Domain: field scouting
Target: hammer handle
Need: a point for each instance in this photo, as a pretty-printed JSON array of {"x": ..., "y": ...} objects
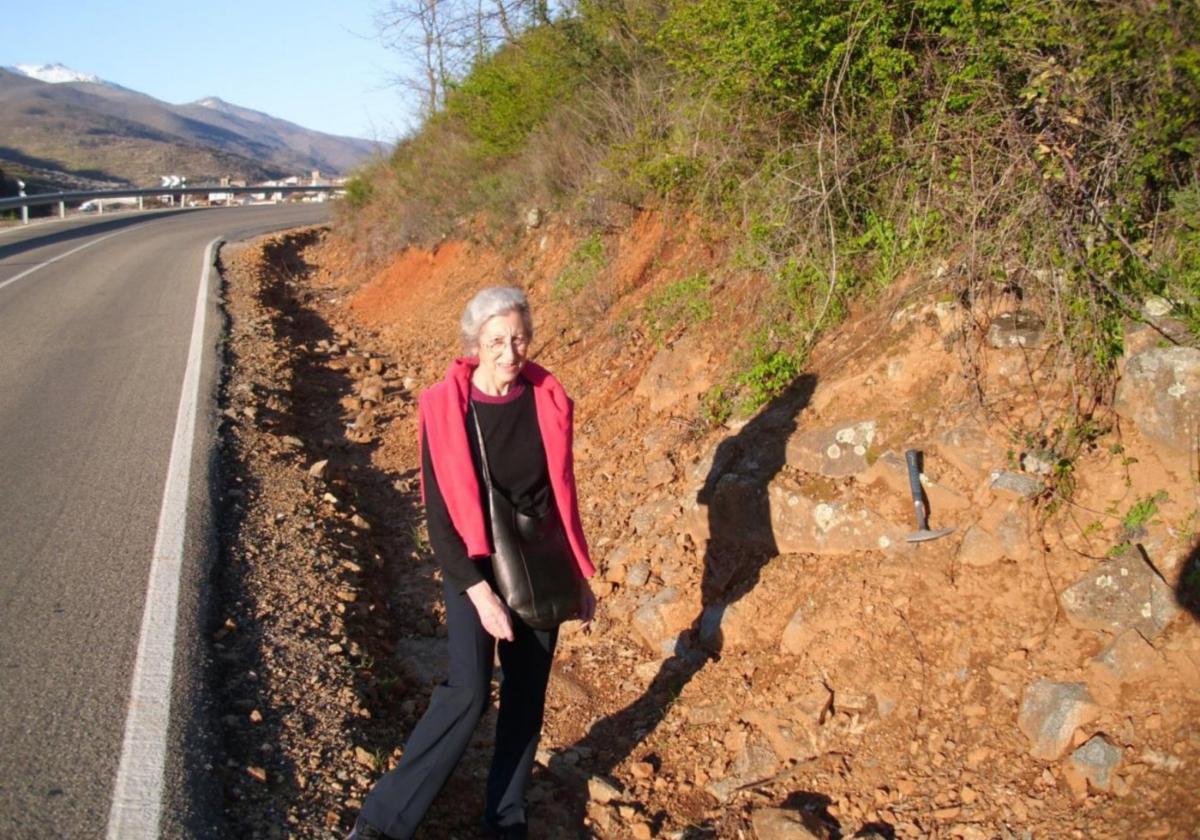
[{"x": 912, "y": 457}]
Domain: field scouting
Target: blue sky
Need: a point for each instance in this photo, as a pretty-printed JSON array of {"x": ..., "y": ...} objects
[{"x": 313, "y": 62}]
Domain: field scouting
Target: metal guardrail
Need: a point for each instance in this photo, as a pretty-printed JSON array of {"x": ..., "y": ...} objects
[{"x": 61, "y": 198}]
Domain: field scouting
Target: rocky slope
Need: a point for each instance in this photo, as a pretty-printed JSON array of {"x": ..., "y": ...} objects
[{"x": 771, "y": 658}]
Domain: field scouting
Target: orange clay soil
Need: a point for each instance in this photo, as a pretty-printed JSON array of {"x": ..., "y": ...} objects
[{"x": 897, "y": 706}]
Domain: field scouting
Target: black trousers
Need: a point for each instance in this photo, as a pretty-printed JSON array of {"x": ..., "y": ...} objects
[{"x": 400, "y": 799}]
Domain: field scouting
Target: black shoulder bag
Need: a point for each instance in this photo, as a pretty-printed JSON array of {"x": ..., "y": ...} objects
[{"x": 531, "y": 559}]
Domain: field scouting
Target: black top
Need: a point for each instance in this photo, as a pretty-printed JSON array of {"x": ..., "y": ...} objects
[{"x": 518, "y": 464}]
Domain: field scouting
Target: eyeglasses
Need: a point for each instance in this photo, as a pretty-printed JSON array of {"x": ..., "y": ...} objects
[{"x": 497, "y": 344}]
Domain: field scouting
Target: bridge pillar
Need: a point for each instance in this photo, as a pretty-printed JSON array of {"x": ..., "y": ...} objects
[
  {"x": 100, "y": 207},
  {"x": 141, "y": 204},
  {"x": 62, "y": 209}
]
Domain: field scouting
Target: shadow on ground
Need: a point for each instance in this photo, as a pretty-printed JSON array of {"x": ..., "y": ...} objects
[{"x": 751, "y": 458}]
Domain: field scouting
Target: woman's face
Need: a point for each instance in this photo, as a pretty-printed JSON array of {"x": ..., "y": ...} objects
[{"x": 502, "y": 347}]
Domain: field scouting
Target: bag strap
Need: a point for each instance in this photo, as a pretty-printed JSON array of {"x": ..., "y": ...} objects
[{"x": 487, "y": 470}]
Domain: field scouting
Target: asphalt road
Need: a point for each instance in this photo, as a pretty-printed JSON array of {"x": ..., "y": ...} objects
[{"x": 93, "y": 349}]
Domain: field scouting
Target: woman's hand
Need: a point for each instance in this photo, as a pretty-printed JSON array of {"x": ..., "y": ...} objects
[
  {"x": 493, "y": 613},
  {"x": 587, "y": 604}
]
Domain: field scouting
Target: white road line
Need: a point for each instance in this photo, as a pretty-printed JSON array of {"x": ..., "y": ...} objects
[
  {"x": 29, "y": 271},
  {"x": 137, "y": 797}
]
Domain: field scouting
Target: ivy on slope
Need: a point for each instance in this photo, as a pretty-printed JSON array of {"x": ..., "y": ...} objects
[{"x": 1050, "y": 145}]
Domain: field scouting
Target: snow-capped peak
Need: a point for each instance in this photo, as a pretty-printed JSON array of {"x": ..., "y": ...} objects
[{"x": 56, "y": 74}]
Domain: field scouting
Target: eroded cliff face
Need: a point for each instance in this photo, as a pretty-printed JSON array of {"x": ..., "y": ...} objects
[{"x": 768, "y": 638}]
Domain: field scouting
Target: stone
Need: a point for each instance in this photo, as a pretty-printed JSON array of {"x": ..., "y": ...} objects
[
  {"x": 676, "y": 376},
  {"x": 257, "y": 773},
  {"x": 649, "y": 517},
  {"x": 1050, "y": 714},
  {"x": 638, "y": 574},
  {"x": 1038, "y": 463},
  {"x": 1159, "y": 393},
  {"x": 602, "y": 791},
  {"x": 835, "y": 451},
  {"x": 1156, "y": 307},
  {"x": 364, "y": 758},
  {"x": 320, "y": 469},
  {"x": 616, "y": 562},
  {"x": 1142, "y": 337},
  {"x": 1128, "y": 659},
  {"x": 641, "y": 770},
  {"x": 833, "y": 528},
  {"x": 788, "y": 742},
  {"x": 661, "y": 618},
  {"x": 1022, "y": 486},
  {"x": 729, "y": 627},
  {"x": 785, "y": 824},
  {"x": 1120, "y": 594},
  {"x": 754, "y": 762},
  {"x": 979, "y": 548},
  {"x": 1016, "y": 329},
  {"x": 1096, "y": 762}
]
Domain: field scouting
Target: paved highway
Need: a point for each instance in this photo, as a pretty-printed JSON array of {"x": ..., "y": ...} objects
[{"x": 96, "y": 332}]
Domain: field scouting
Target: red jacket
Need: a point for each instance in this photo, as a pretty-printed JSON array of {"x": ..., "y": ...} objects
[{"x": 443, "y": 423}]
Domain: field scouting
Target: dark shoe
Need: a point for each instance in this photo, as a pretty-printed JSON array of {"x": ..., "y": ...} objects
[
  {"x": 515, "y": 831},
  {"x": 365, "y": 831}
]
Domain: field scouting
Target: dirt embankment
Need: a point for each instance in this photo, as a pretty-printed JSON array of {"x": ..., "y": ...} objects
[{"x": 768, "y": 651}]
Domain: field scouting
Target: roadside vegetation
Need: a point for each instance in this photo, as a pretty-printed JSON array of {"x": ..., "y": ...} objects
[{"x": 1042, "y": 149}]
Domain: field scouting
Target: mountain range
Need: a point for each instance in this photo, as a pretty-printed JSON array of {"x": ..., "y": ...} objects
[{"x": 64, "y": 129}]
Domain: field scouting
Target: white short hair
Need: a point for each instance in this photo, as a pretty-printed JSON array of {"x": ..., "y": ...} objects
[{"x": 487, "y": 304}]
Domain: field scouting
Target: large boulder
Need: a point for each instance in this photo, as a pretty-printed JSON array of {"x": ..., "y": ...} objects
[
  {"x": 779, "y": 518},
  {"x": 835, "y": 451},
  {"x": 1121, "y": 594},
  {"x": 1160, "y": 394},
  {"x": 833, "y": 527}
]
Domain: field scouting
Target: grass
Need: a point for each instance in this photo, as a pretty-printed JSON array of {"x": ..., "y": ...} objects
[
  {"x": 1141, "y": 512},
  {"x": 680, "y": 304},
  {"x": 582, "y": 269}
]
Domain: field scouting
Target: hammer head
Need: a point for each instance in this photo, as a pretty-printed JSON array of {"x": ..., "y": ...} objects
[{"x": 926, "y": 535}]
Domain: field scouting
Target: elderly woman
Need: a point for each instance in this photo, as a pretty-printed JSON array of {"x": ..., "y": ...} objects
[{"x": 525, "y": 419}]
